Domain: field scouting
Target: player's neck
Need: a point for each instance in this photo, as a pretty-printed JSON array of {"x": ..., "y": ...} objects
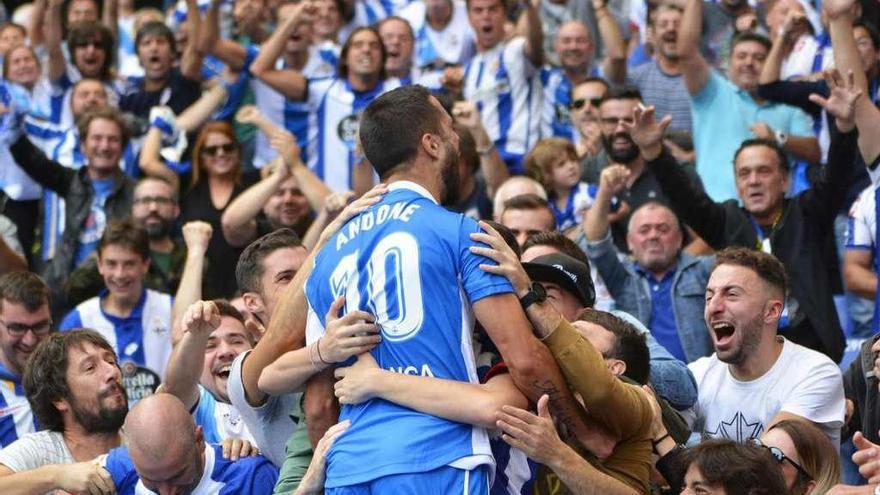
[
  {"x": 421, "y": 176},
  {"x": 364, "y": 82},
  {"x": 120, "y": 306},
  {"x": 85, "y": 446},
  {"x": 762, "y": 358},
  {"x": 668, "y": 66},
  {"x": 7, "y": 363},
  {"x": 439, "y": 23}
]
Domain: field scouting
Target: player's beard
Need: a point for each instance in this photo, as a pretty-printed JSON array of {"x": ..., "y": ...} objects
[
  {"x": 620, "y": 156},
  {"x": 449, "y": 174},
  {"x": 106, "y": 420}
]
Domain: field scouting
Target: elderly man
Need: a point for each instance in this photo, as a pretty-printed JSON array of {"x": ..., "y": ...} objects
[{"x": 660, "y": 284}]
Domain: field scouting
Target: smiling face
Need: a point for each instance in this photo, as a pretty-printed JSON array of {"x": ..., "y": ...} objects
[
  {"x": 288, "y": 206},
  {"x": 573, "y": 46},
  {"x": 364, "y": 57},
  {"x": 22, "y": 66},
  {"x": 102, "y": 146},
  {"x": 761, "y": 182},
  {"x": 225, "y": 343},
  {"x": 219, "y": 155},
  {"x": 487, "y": 18},
  {"x": 123, "y": 270},
  {"x": 654, "y": 237},
  {"x": 738, "y": 311},
  {"x": 746, "y": 61},
  {"x": 16, "y": 347}
]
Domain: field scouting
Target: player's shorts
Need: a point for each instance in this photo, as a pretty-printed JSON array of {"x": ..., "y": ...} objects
[{"x": 445, "y": 480}]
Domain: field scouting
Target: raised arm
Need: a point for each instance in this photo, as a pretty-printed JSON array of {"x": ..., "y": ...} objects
[
  {"x": 110, "y": 17},
  {"x": 52, "y": 34},
  {"x": 285, "y": 144},
  {"x": 534, "y": 47},
  {"x": 693, "y": 66},
  {"x": 494, "y": 170},
  {"x": 783, "y": 41},
  {"x": 191, "y": 60},
  {"x": 614, "y": 65},
  {"x": 200, "y": 112},
  {"x": 35, "y": 25},
  {"x": 229, "y": 51},
  {"x": 38, "y": 166},
  {"x": 196, "y": 235},
  {"x": 846, "y": 59},
  {"x": 188, "y": 357},
  {"x": 612, "y": 180},
  {"x": 150, "y": 160},
  {"x": 289, "y": 82}
]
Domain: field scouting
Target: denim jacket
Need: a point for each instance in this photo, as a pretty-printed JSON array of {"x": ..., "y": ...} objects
[{"x": 631, "y": 292}]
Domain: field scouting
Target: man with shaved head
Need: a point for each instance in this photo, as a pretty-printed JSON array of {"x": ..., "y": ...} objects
[{"x": 166, "y": 454}]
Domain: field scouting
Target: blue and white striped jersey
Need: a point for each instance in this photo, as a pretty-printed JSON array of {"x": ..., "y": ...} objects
[
  {"x": 452, "y": 45},
  {"x": 219, "y": 476},
  {"x": 407, "y": 261},
  {"x": 335, "y": 112},
  {"x": 862, "y": 230},
  {"x": 292, "y": 115},
  {"x": 555, "y": 113},
  {"x": 507, "y": 89},
  {"x": 16, "y": 418},
  {"x": 219, "y": 420},
  {"x": 142, "y": 339}
]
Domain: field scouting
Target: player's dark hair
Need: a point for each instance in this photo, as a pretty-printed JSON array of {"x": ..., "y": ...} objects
[
  {"x": 621, "y": 93},
  {"x": 769, "y": 143},
  {"x": 630, "y": 345},
  {"x": 45, "y": 375},
  {"x": 123, "y": 232},
  {"x": 558, "y": 241},
  {"x": 766, "y": 266},
  {"x": 249, "y": 270},
  {"x": 392, "y": 127},
  {"x": 745, "y": 36},
  {"x": 342, "y": 65}
]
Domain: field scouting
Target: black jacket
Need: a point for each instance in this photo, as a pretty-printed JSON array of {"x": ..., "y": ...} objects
[
  {"x": 860, "y": 386},
  {"x": 800, "y": 240},
  {"x": 75, "y": 188}
]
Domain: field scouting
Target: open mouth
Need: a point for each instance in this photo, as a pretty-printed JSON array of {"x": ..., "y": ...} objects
[
  {"x": 723, "y": 332},
  {"x": 223, "y": 372}
]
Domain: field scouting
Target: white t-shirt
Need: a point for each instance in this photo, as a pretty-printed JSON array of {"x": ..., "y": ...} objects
[
  {"x": 802, "y": 382},
  {"x": 271, "y": 423},
  {"x": 35, "y": 450}
]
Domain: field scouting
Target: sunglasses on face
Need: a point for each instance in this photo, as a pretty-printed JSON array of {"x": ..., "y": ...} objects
[
  {"x": 780, "y": 457},
  {"x": 214, "y": 150},
  {"x": 580, "y": 102}
]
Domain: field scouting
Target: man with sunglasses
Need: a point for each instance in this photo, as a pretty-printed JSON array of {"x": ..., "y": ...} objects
[
  {"x": 25, "y": 321},
  {"x": 584, "y": 115}
]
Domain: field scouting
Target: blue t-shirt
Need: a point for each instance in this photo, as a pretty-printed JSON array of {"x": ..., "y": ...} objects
[
  {"x": 405, "y": 260},
  {"x": 93, "y": 228},
  {"x": 219, "y": 476}
]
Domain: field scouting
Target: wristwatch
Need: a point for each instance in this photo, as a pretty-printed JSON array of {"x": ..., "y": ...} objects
[
  {"x": 781, "y": 138},
  {"x": 535, "y": 294}
]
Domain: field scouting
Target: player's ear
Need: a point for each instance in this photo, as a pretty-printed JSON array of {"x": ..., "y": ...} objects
[{"x": 431, "y": 145}]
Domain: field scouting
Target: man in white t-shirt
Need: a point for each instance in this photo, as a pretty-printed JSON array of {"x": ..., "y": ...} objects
[
  {"x": 74, "y": 384},
  {"x": 756, "y": 378}
]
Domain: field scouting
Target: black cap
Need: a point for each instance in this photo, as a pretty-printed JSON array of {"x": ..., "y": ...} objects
[{"x": 566, "y": 272}]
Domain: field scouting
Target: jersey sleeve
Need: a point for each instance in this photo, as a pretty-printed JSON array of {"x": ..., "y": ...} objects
[
  {"x": 515, "y": 58},
  {"x": 257, "y": 475},
  {"x": 477, "y": 283},
  {"x": 72, "y": 320},
  {"x": 121, "y": 469}
]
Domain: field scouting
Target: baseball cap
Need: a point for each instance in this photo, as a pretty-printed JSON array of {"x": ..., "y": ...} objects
[{"x": 566, "y": 272}]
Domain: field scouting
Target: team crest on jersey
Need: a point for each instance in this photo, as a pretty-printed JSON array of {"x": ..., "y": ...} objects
[
  {"x": 158, "y": 326},
  {"x": 347, "y": 130}
]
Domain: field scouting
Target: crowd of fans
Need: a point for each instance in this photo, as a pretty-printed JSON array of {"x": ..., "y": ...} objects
[{"x": 440, "y": 246}]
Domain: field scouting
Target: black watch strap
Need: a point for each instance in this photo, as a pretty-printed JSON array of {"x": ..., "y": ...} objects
[{"x": 535, "y": 294}]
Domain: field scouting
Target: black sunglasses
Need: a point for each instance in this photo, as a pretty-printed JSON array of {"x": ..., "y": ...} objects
[
  {"x": 580, "y": 102},
  {"x": 95, "y": 43},
  {"x": 780, "y": 456},
  {"x": 213, "y": 150}
]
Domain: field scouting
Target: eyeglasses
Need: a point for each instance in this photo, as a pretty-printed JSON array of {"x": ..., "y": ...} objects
[
  {"x": 19, "y": 329},
  {"x": 780, "y": 457},
  {"x": 580, "y": 102},
  {"x": 213, "y": 150}
]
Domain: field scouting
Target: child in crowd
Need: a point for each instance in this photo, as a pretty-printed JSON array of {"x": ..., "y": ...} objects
[{"x": 553, "y": 162}]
